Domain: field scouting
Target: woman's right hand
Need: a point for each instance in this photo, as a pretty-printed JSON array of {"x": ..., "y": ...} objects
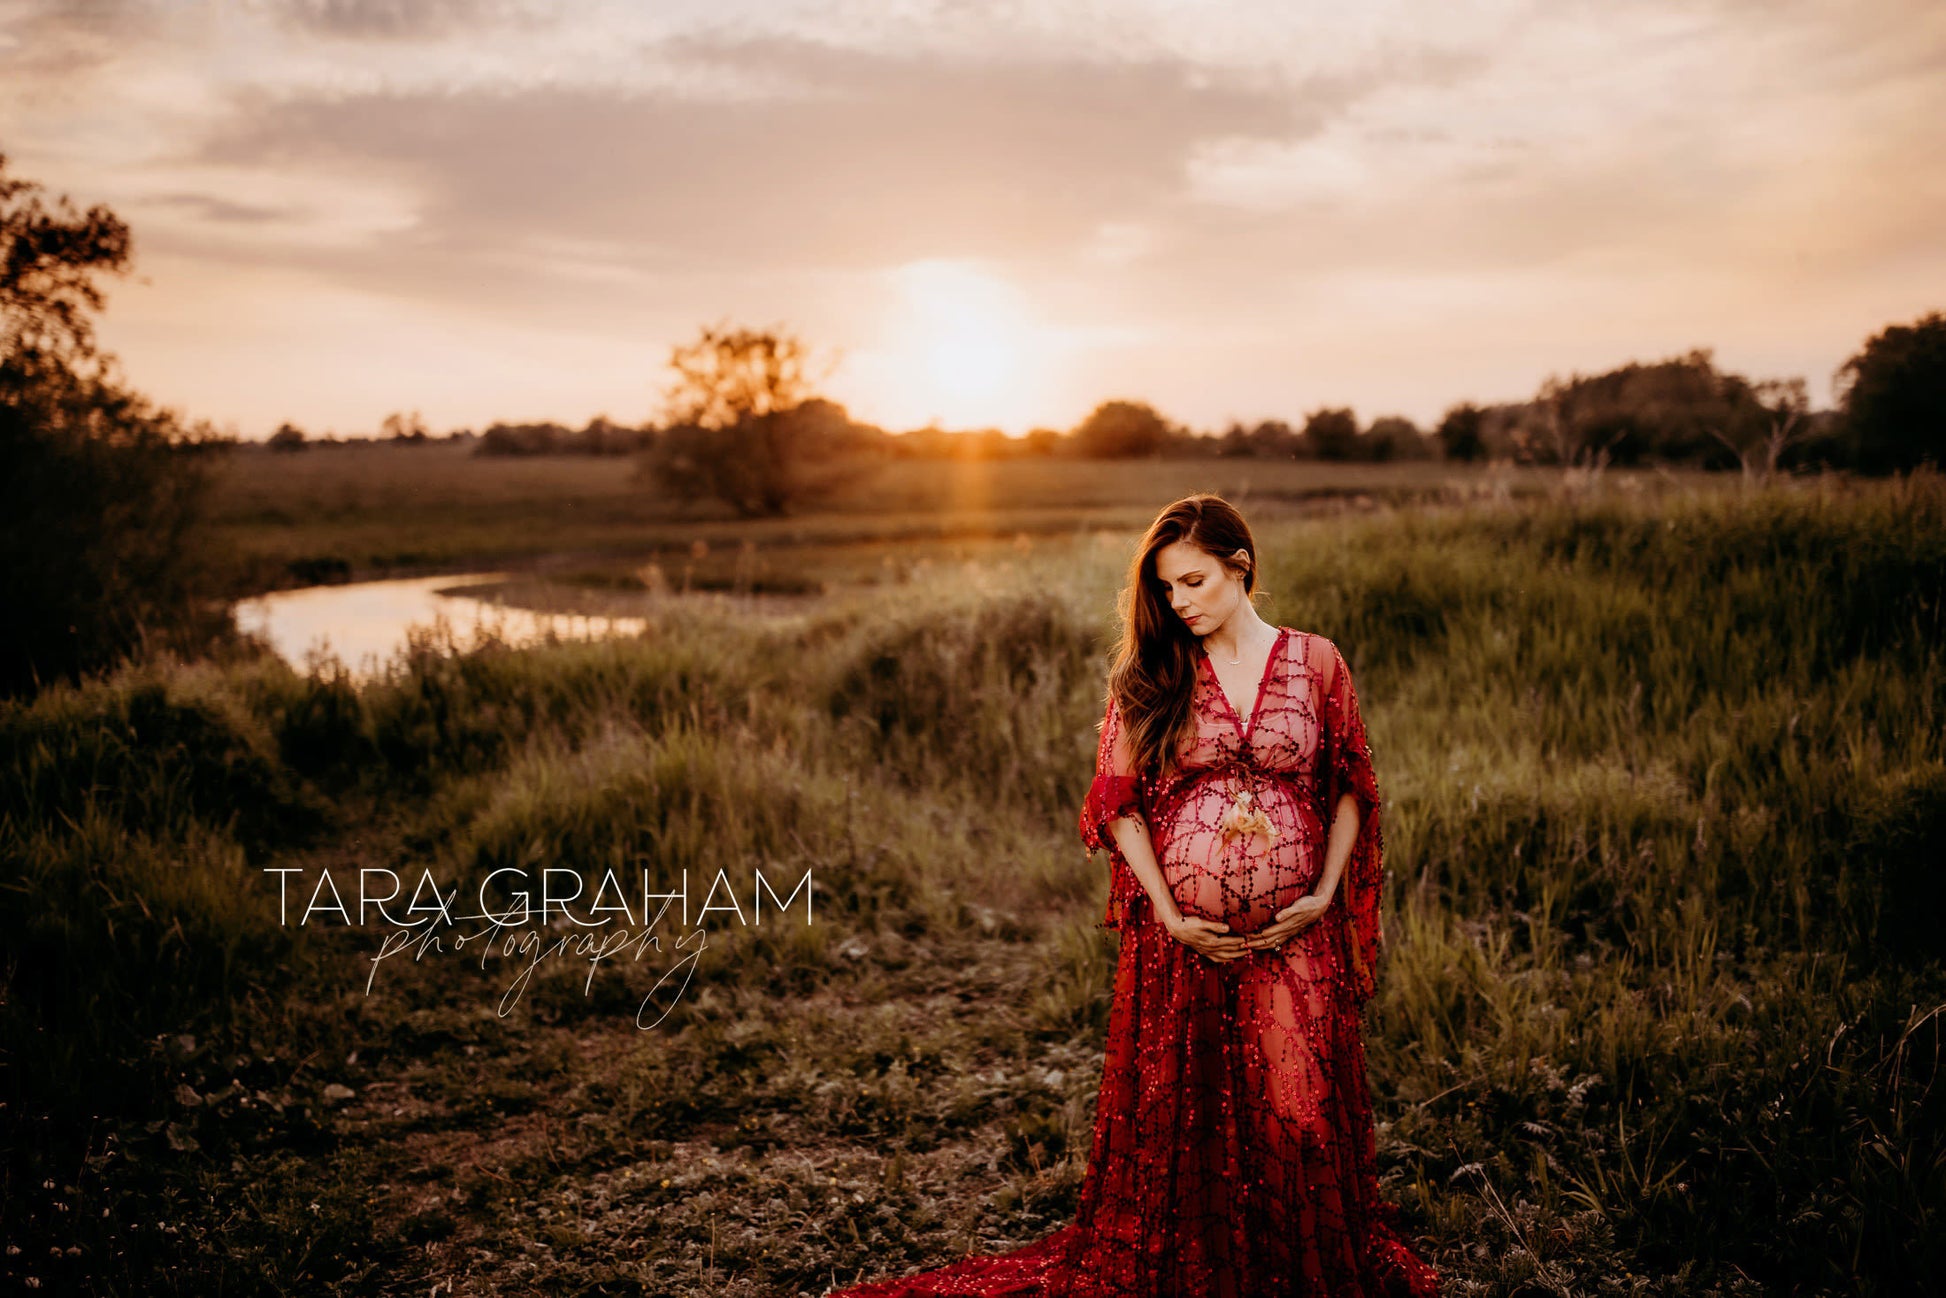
[{"x": 1207, "y": 937}]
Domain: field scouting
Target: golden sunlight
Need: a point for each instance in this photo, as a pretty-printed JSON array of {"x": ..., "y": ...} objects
[{"x": 958, "y": 351}]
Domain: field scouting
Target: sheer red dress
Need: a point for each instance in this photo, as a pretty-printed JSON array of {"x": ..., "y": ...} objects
[{"x": 1233, "y": 1150}]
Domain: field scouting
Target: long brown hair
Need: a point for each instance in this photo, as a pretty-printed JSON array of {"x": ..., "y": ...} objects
[{"x": 1155, "y": 662}]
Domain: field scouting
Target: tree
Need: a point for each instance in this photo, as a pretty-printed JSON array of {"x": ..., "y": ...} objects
[
  {"x": 101, "y": 493},
  {"x": 398, "y": 427},
  {"x": 1121, "y": 430},
  {"x": 1394, "y": 437},
  {"x": 47, "y": 273},
  {"x": 742, "y": 425},
  {"x": 1759, "y": 446},
  {"x": 1551, "y": 433},
  {"x": 546, "y": 438},
  {"x": 1678, "y": 410},
  {"x": 1275, "y": 439},
  {"x": 603, "y": 436},
  {"x": 728, "y": 375},
  {"x": 288, "y": 437},
  {"x": 1892, "y": 397},
  {"x": 1332, "y": 434},
  {"x": 1461, "y": 435}
]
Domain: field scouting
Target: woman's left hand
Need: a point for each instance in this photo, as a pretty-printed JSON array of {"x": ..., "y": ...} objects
[{"x": 1290, "y": 921}]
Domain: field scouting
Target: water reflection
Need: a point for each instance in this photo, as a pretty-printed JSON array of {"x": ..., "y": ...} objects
[{"x": 364, "y": 624}]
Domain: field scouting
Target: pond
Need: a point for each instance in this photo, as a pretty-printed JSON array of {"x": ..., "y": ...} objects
[{"x": 364, "y": 624}]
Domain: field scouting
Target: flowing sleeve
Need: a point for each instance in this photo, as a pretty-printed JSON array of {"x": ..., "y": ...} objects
[
  {"x": 1348, "y": 769},
  {"x": 1116, "y": 791}
]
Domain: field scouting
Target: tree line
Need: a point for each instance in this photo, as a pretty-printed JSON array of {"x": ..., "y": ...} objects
[
  {"x": 1678, "y": 411},
  {"x": 1681, "y": 411},
  {"x": 746, "y": 428}
]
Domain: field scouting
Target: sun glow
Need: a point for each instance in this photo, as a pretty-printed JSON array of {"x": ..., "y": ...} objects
[
  {"x": 969, "y": 365},
  {"x": 958, "y": 351}
]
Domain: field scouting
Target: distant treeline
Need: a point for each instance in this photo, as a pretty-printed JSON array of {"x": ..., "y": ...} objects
[{"x": 1679, "y": 411}]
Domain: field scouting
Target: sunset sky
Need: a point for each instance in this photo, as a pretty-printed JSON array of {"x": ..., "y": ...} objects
[{"x": 984, "y": 213}]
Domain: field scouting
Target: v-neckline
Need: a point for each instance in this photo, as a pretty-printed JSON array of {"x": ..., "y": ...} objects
[{"x": 1244, "y": 727}]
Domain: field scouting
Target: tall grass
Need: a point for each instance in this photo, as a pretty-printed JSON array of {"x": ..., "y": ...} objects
[{"x": 1661, "y": 1006}]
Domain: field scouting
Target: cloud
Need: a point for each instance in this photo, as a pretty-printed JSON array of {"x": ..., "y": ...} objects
[
  {"x": 847, "y": 160},
  {"x": 393, "y": 20},
  {"x": 44, "y": 47},
  {"x": 209, "y": 208}
]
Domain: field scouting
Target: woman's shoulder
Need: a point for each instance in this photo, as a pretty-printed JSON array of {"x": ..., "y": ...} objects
[
  {"x": 1308, "y": 646},
  {"x": 1311, "y": 650}
]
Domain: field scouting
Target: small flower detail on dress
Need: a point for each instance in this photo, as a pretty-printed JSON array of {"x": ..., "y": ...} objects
[{"x": 1243, "y": 816}]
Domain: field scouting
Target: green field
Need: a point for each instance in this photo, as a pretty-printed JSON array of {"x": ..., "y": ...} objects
[
  {"x": 1661, "y": 1013},
  {"x": 407, "y": 509}
]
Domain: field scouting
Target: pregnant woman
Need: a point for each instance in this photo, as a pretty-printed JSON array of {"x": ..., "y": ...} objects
[{"x": 1233, "y": 1150}]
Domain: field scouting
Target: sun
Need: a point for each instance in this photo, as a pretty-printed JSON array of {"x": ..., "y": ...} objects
[
  {"x": 970, "y": 366},
  {"x": 959, "y": 350}
]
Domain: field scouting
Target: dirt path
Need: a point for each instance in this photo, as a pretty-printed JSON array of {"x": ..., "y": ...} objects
[{"x": 730, "y": 1150}]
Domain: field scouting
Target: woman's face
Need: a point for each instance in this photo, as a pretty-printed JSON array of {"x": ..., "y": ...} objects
[{"x": 1197, "y": 586}]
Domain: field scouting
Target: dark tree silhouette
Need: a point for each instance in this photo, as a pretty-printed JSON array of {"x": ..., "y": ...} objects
[
  {"x": 731, "y": 374},
  {"x": 743, "y": 426},
  {"x": 1461, "y": 435},
  {"x": 101, "y": 493},
  {"x": 288, "y": 437},
  {"x": 603, "y": 436},
  {"x": 1394, "y": 437},
  {"x": 1759, "y": 445},
  {"x": 1121, "y": 429},
  {"x": 1275, "y": 439},
  {"x": 49, "y": 261},
  {"x": 1892, "y": 397},
  {"x": 1682, "y": 409},
  {"x": 1332, "y": 434},
  {"x": 400, "y": 427},
  {"x": 523, "y": 439}
]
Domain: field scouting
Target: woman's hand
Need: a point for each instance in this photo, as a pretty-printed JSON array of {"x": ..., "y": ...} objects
[
  {"x": 1289, "y": 922},
  {"x": 1208, "y": 937}
]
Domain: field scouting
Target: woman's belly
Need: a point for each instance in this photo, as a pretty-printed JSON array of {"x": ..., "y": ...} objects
[{"x": 1245, "y": 880}]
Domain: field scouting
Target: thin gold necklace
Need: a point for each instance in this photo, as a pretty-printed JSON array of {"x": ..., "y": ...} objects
[{"x": 1236, "y": 661}]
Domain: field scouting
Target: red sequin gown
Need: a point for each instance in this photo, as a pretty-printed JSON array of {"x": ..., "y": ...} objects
[{"x": 1233, "y": 1149}]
